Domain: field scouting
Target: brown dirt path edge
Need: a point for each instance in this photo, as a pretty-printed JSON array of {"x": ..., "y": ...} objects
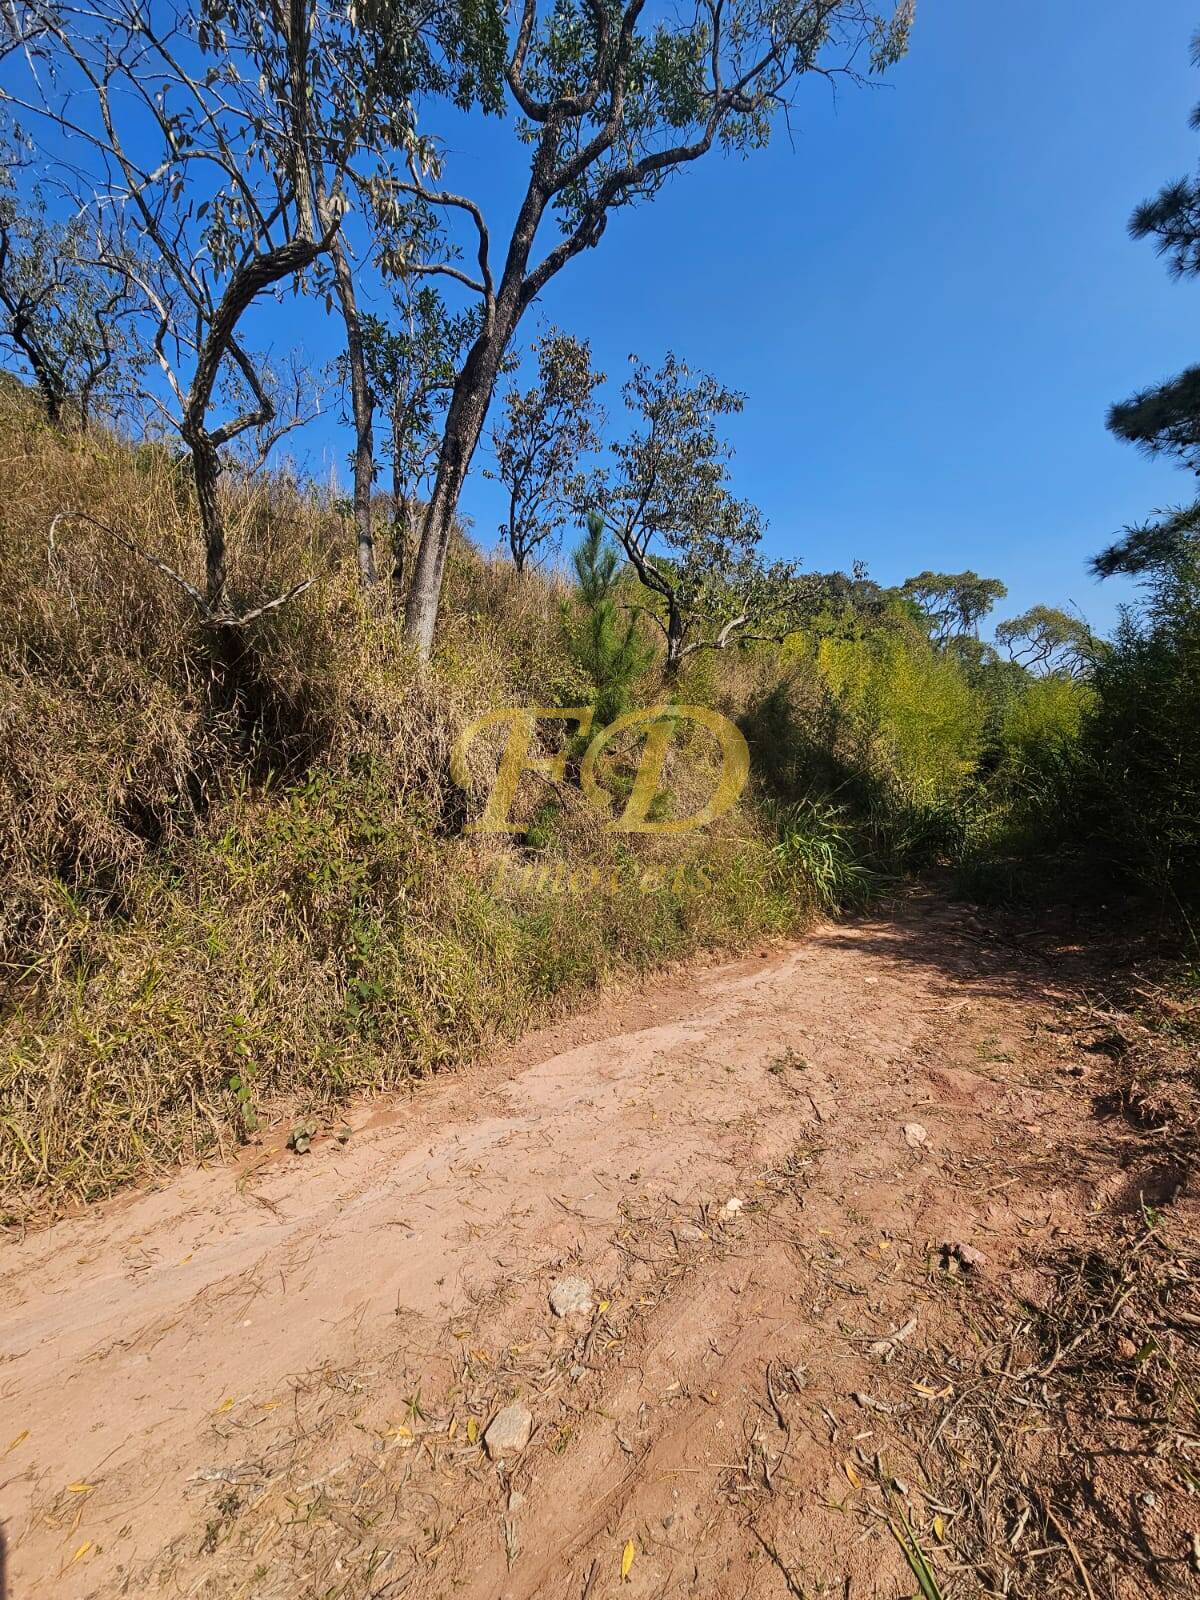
[{"x": 276, "y": 1382}]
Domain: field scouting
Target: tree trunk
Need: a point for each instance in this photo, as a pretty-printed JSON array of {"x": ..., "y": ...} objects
[
  {"x": 363, "y": 408},
  {"x": 468, "y": 410},
  {"x": 53, "y": 393},
  {"x": 402, "y": 528},
  {"x": 464, "y": 424},
  {"x": 206, "y": 469},
  {"x": 675, "y": 635}
]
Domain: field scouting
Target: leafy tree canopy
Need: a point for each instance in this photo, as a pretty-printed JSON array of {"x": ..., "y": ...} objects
[
  {"x": 954, "y": 603},
  {"x": 543, "y": 432}
]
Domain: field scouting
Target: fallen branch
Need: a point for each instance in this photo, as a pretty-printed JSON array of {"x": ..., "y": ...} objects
[{"x": 208, "y": 617}]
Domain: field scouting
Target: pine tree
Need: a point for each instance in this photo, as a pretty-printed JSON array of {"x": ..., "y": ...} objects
[
  {"x": 1164, "y": 420},
  {"x": 608, "y": 650}
]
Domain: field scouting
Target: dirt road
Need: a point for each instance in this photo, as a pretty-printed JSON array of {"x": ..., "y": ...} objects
[{"x": 276, "y": 1380}]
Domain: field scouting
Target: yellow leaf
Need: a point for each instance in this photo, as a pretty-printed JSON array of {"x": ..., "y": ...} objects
[
  {"x": 939, "y": 1529},
  {"x": 20, "y": 1439},
  {"x": 627, "y": 1556},
  {"x": 183, "y": 1260},
  {"x": 226, "y": 1405},
  {"x": 80, "y": 1488},
  {"x": 604, "y": 1305},
  {"x": 852, "y": 1475},
  {"x": 472, "y": 1429},
  {"x": 400, "y": 1432},
  {"x": 453, "y": 1428},
  {"x": 81, "y": 1552},
  {"x": 885, "y": 1244}
]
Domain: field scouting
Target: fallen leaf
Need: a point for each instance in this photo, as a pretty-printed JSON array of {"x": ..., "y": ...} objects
[
  {"x": 226, "y": 1405},
  {"x": 939, "y": 1529},
  {"x": 80, "y": 1488},
  {"x": 604, "y": 1305},
  {"x": 81, "y": 1552},
  {"x": 20, "y": 1439},
  {"x": 472, "y": 1429},
  {"x": 627, "y": 1556},
  {"x": 853, "y": 1476}
]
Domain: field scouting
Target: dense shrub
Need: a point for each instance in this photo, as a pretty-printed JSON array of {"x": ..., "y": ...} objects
[{"x": 1142, "y": 742}]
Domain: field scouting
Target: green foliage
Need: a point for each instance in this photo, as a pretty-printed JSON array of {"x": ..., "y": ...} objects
[
  {"x": 817, "y": 843},
  {"x": 1142, "y": 741},
  {"x": 545, "y": 430},
  {"x": 412, "y": 364},
  {"x": 61, "y": 315},
  {"x": 693, "y": 546},
  {"x": 603, "y": 642},
  {"x": 1048, "y": 640},
  {"x": 953, "y": 603},
  {"x": 917, "y": 724}
]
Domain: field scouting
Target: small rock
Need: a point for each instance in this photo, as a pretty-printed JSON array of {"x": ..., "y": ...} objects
[
  {"x": 915, "y": 1135},
  {"x": 732, "y": 1206},
  {"x": 1126, "y": 1349},
  {"x": 515, "y": 1501},
  {"x": 869, "y": 1403},
  {"x": 571, "y": 1296},
  {"x": 509, "y": 1431},
  {"x": 963, "y": 1255},
  {"x": 689, "y": 1233}
]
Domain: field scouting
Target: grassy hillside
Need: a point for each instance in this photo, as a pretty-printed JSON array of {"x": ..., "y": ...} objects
[{"x": 207, "y": 915}]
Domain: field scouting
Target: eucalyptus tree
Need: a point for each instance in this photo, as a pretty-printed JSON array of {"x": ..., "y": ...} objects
[
  {"x": 61, "y": 314},
  {"x": 612, "y": 98},
  {"x": 692, "y": 545},
  {"x": 215, "y": 147},
  {"x": 953, "y": 603},
  {"x": 391, "y": 53},
  {"x": 1045, "y": 639},
  {"x": 412, "y": 362},
  {"x": 543, "y": 433}
]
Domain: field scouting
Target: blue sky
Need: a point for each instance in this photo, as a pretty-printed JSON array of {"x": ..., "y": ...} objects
[{"x": 928, "y": 296}]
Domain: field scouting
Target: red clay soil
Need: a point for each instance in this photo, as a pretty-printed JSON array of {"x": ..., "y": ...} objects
[{"x": 275, "y": 1380}]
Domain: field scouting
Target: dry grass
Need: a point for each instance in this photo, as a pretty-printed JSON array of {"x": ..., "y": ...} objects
[
  {"x": 214, "y": 911},
  {"x": 1067, "y": 1452}
]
